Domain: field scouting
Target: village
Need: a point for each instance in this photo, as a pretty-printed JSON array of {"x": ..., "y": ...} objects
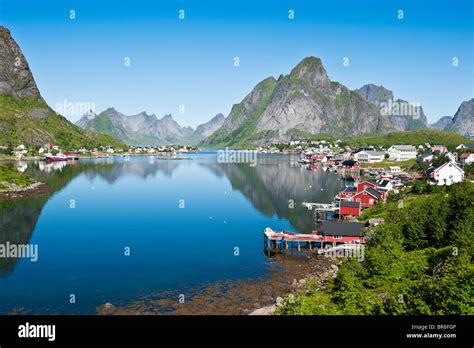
[
  {"x": 52, "y": 153},
  {"x": 371, "y": 175}
]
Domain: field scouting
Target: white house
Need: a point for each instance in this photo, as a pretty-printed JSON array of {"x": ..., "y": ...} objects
[
  {"x": 425, "y": 158},
  {"x": 467, "y": 158},
  {"x": 447, "y": 174},
  {"x": 465, "y": 146},
  {"x": 453, "y": 157},
  {"x": 401, "y": 152},
  {"x": 394, "y": 169},
  {"x": 369, "y": 156}
]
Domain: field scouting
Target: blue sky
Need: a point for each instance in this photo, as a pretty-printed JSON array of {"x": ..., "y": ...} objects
[{"x": 190, "y": 62}]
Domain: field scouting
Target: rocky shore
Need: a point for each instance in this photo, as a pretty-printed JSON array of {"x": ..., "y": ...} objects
[
  {"x": 14, "y": 191},
  {"x": 287, "y": 275}
]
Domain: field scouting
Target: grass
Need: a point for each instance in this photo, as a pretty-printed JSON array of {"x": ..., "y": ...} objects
[
  {"x": 413, "y": 137},
  {"x": 385, "y": 164},
  {"x": 19, "y": 126},
  {"x": 9, "y": 175}
]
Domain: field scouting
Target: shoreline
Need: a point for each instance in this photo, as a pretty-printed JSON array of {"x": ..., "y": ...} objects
[
  {"x": 29, "y": 191},
  {"x": 286, "y": 275}
]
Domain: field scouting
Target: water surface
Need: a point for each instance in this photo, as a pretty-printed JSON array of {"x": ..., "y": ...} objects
[{"x": 184, "y": 222}]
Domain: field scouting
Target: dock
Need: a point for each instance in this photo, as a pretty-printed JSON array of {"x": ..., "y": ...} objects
[
  {"x": 322, "y": 207},
  {"x": 287, "y": 241}
]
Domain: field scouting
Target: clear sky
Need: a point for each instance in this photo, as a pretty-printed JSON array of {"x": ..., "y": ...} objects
[{"x": 190, "y": 61}]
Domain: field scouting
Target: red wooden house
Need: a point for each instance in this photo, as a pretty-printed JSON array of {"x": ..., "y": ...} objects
[
  {"x": 348, "y": 192},
  {"x": 350, "y": 164},
  {"x": 368, "y": 197},
  {"x": 349, "y": 208},
  {"x": 364, "y": 184},
  {"x": 342, "y": 232}
]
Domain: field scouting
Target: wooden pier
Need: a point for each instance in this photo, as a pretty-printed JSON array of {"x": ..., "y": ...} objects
[
  {"x": 290, "y": 242},
  {"x": 322, "y": 207}
]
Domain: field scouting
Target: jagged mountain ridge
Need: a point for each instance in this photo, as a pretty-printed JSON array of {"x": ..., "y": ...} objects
[
  {"x": 25, "y": 118},
  {"x": 144, "y": 129},
  {"x": 394, "y": 109},
  {"x": 303, "y": 102},
  {"x": 462, "y": 122}
]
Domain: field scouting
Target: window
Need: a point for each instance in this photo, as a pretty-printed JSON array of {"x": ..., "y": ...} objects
[
  {"x": 337, "y": 237},
  {"x": 371, "y": 201}
]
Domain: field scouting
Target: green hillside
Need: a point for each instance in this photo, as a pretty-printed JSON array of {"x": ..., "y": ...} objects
[
  {"x": 418, "y": 263},
  {"x": 413, "y": 137},
  {"x": 30, "y": 121}
]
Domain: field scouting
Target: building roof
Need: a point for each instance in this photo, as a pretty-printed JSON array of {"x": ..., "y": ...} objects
[
  {"x": 384, "y": 183},
  {"x": 450, "y": 164},
  {"x": 424, "y": 155},
  {"x": 334, "y": 228},
  {"x": 404, "y": 147},
  {"x": 350, "y": 204},
  {"x": 350, "y": 189},
  {"x": 373, "y": 192},
  {"x": 349, "y": 163},
  {"x": 368, "y": 181},
  {"x": 376, "y": 153},
  {"x": 367, "y": 148}
]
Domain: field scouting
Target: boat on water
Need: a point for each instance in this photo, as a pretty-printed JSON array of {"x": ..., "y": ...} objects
[
  {"x": 57, "y": 158},
  {"x": 71, "y": 155}
]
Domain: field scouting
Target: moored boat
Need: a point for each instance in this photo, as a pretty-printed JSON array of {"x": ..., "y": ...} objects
[
  {"x": 71, "y": 155},
  {"x": 57, "y": 158}
]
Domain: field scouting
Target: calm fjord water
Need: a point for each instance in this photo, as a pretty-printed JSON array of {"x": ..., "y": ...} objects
[{"x": 135, "y": 203}]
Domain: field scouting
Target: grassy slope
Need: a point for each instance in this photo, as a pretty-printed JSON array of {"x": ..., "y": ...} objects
[
  {"x": 418, "y": 262},
  {"x": 413, "y": 137},
  {"x": 386, "y": 163},
  {"x": 18, "y": 127}
]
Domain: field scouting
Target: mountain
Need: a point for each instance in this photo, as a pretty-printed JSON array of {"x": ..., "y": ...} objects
[
  {"x": 375, "y": 94},
  {"x": 462, "y": 122},
  {"x": 25, "y": 118},
  {"x": 208, "y": 128},
  {"x": 403, "y": 116},
  {"x": 442, "y": 123},
  {"x": 300, "y": 103},
  {"x": 144, "y": 129}
]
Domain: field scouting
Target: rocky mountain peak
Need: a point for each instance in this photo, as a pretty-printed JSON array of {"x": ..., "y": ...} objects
[
  {"x": 375, "y": 94},
  {"x": 16, "y": 79},
  {"x": 110, "y": 110},
  {"x": 90, "y": 114},
  {"x": 208, "y": 128},
  {"x": 310, "y": 69},
  {"x": 167, "y": 117}
]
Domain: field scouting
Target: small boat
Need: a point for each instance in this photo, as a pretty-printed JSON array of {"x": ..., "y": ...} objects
[
  {"x": 57, "y": 158},
  {"x": 71, "y": 155}
]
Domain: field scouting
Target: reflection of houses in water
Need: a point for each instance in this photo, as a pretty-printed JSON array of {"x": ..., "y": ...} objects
[
  {"x": 49, "y": 167},
  {"x": 21, "y": 166}
]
